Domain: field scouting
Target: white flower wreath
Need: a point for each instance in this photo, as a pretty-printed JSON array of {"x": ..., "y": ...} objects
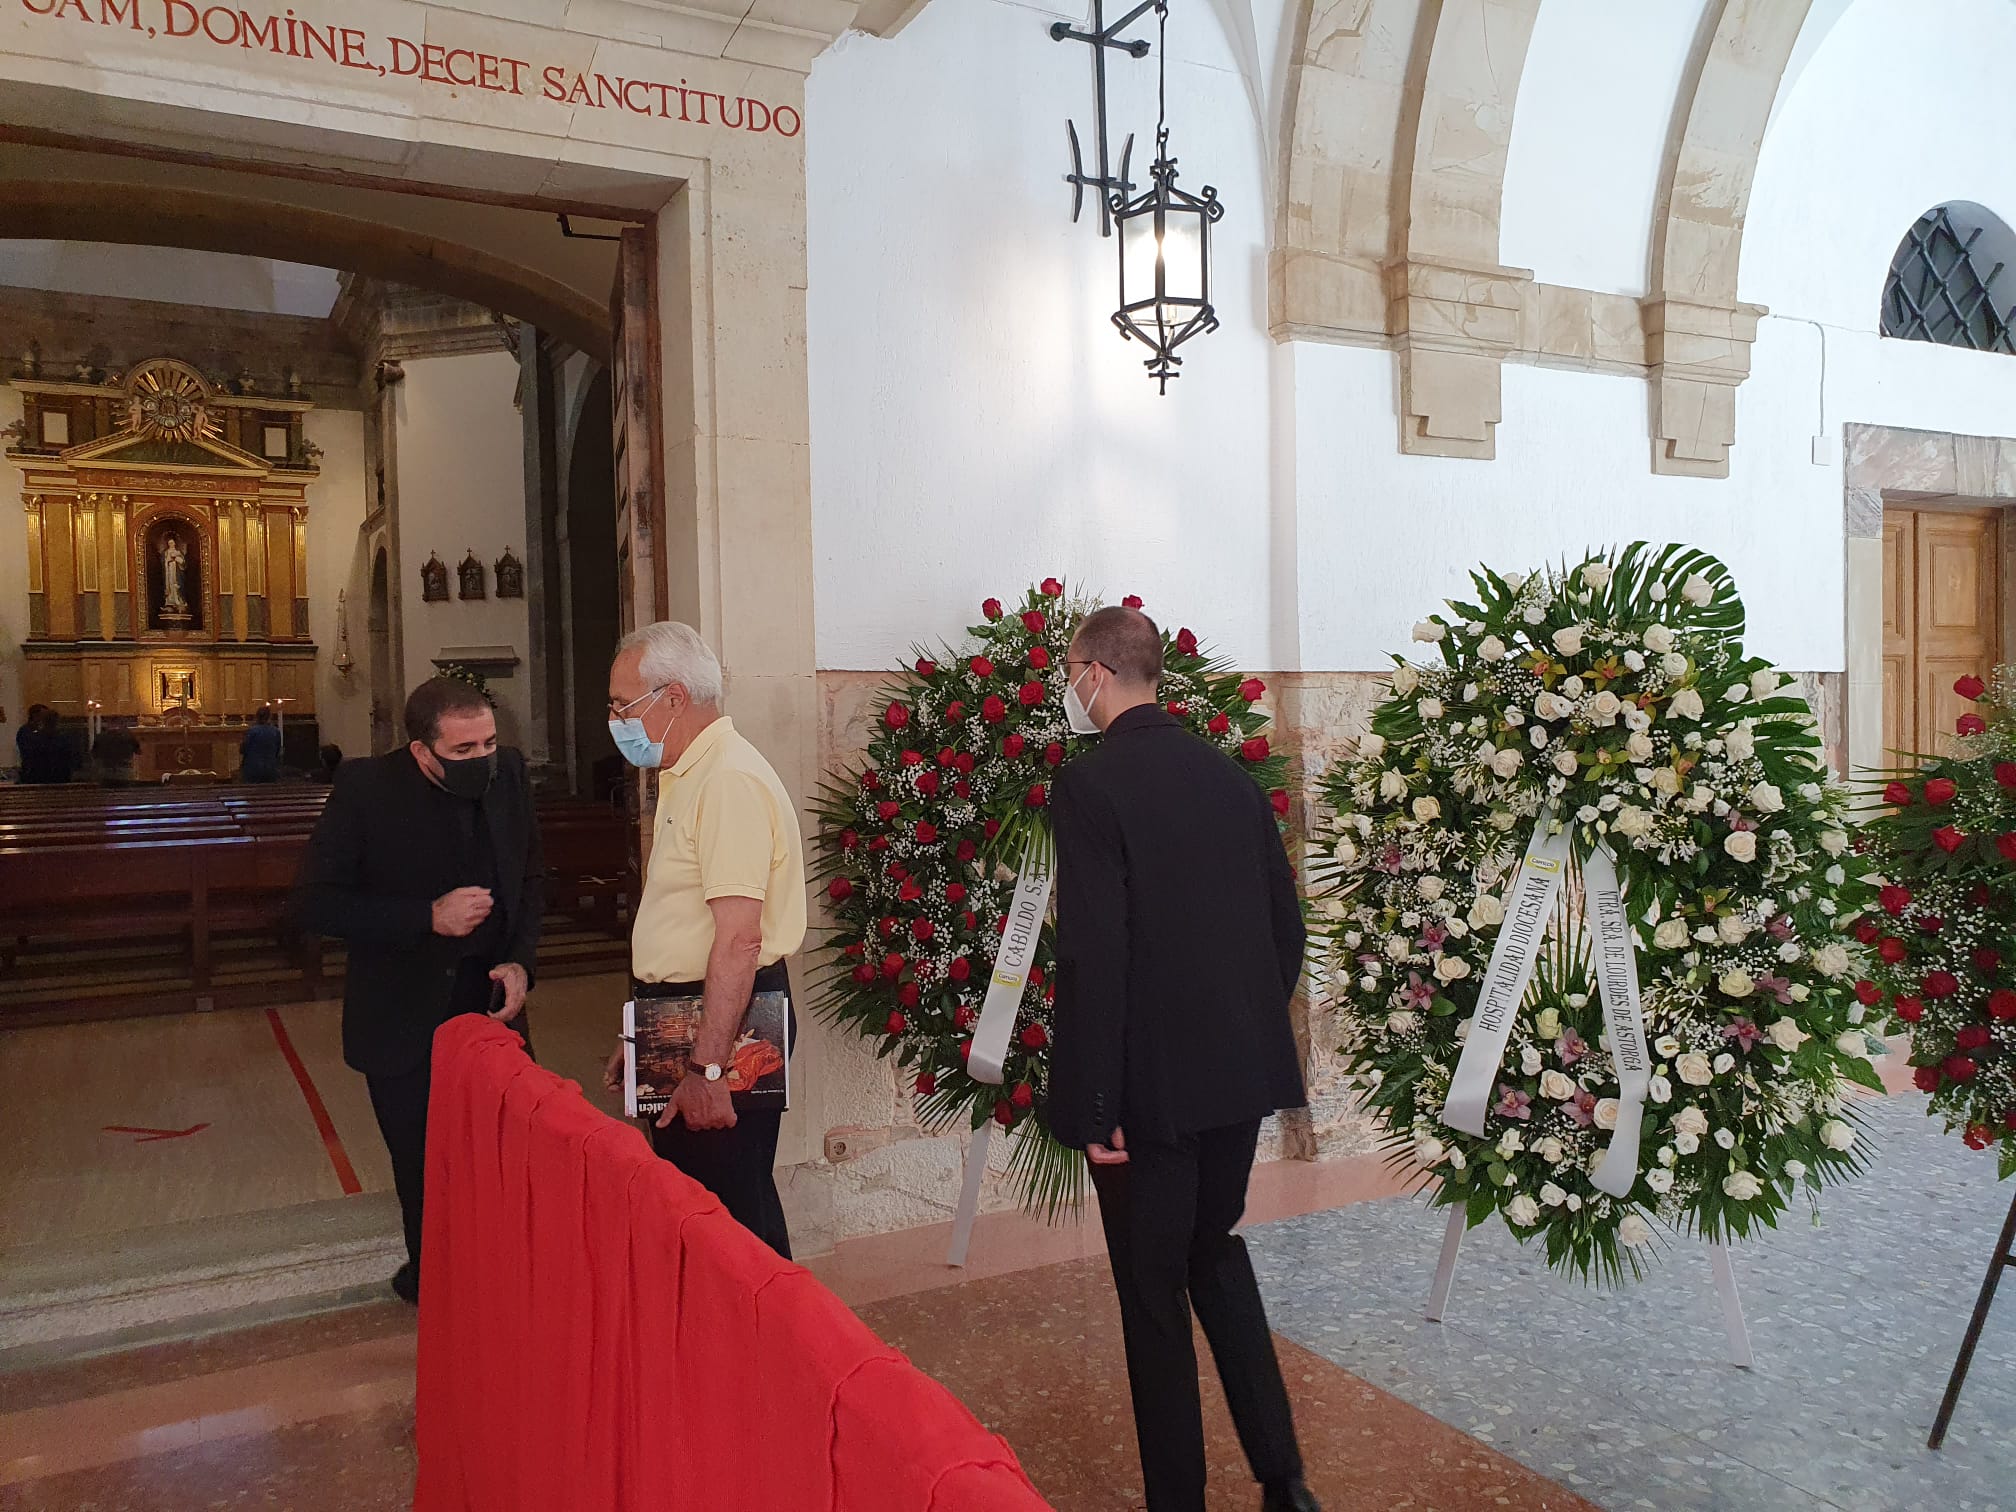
[{"x": 1616, "y": 701}]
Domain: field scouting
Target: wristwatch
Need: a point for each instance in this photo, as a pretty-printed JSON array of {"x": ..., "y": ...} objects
[{"x": 708, "y": 1073}]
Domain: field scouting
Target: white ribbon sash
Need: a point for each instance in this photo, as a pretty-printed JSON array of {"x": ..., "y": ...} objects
[
  {"x": 1505, "y": 982},
  {"x": 1616, "y": 966},
  {"x": 1012, "y": 961}
]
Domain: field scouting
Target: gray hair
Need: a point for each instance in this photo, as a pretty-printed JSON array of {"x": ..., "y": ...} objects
[{"x": 674, "y": 653}]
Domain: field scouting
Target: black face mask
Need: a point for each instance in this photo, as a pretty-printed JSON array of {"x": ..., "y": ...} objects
[{"x": 469, "y": 778}]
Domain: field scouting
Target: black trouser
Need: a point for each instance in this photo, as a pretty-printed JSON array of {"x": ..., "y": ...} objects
[
  {"x": 738, "y": 1165},
  {"x": 1168, "y": 1215}
]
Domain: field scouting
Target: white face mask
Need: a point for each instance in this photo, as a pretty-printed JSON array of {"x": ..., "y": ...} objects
[{"x": 1075, "y": 713}]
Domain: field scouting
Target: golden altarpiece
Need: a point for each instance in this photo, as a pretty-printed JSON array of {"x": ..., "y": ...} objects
[{"x": 167, "y": 557}]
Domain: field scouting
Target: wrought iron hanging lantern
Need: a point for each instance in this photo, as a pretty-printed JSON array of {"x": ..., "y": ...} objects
[{"x": 1165, "y": 249}]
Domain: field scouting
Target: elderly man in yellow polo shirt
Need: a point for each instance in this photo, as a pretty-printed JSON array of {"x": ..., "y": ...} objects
[{"x": 723, "y": 904}]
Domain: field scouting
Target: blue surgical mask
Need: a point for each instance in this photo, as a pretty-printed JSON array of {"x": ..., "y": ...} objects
[{"x": 632, "y": 740}]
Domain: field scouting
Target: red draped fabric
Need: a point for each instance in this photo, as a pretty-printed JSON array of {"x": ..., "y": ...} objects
[{"x": 600, "y": 1336}]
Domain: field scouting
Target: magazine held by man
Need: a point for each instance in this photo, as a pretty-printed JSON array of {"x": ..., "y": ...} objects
[{"x": 658, "y": 1035}]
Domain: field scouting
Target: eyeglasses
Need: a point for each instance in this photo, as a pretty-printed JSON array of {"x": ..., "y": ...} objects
[
  {"x": 1070, "y": 662},
  {"x": 618, "y": 711}
]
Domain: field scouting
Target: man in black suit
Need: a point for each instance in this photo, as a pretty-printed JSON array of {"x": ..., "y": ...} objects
[
  {"x": 427, "y": 862},
  {"x": 1179, "y": 942}
]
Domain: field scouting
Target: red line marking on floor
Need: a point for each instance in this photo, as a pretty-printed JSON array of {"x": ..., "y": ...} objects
[
  {"x": 338, "y": 1158},
  {"x": 154, "y": 1136}
]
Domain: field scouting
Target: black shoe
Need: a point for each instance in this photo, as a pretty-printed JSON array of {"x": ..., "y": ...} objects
[
  {"x": 1294, "y": 1497},
  {"x": 406, "y": 1287}
]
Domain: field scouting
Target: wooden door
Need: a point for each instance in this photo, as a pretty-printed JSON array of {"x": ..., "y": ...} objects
[
  {"x": 635, "y": 425},
  {"x": 1942, "y": 612}
]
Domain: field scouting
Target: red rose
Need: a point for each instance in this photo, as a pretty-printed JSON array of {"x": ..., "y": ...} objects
[
  {"x": 1255, "y": 749},
  {"x": 981, "y": 667},
  {"x": 1868, "y": 991},
  {"x": 1013, "y": 746},
  {"x": 991, "y": 827},
  {"x": 1052, "y": 588},
  {"x": 927, "y": 832},
  {"x": 1034, "y": 623},
  {"x": 1940, "y": 790},
  {"x": 926, "y": 1084},
  {"x": 1039, "y": 657},
  {"x": 955, "y": 892},
  {"x": 2009, "y": 1120},
  {"x": 864, "y": 974},
  {"x": 910, "y": 892},
  {"x": 1978, "y": 1136},
  {"x": 962, "y": 788},
  {"x": 1959, "y": 1068},
  {"x": 1031, "y": 694},
  {"x": 840, "y": 889},
  {"x": 892, "y": 965},
  {"x": 964, "y": 762},
  {"x": 954, "y": 712},
  {"x": 965, "y": 1017},
  {"x": 1926, "y": 1078},
  {"x": 896, "y": 716},
  {"x": 879, "y": 844},
  {"x": 1910, "y": 1009},
  {"x": 1186, "y": 643},
  {"x": 923, "y": 929},
  {"x": 1004, "y": 1113},
  {"x": 946, "y": 756},
  {"x": 1969, "y": 686},
  {"x": 1038, "y": 795},
  {"x": 1177, "y": 710},
  {"x": 1892, "y": 949},
  {"x": 1022, "y": 1096},
  {"x": 1931, "y": 924},
  {"x": 2002, "y": 1004},
  {"x": 855, "y": 951},
  {"x": 965, "y": 1050},
  {"x": 849, "y": 840},
  {"x": 1986, "y": 960},
  {"x": 888, "y": 809},
  {"x": 1053, "y": 753},
  {"x": 1969, "y": 724},
  {"x": 1973, "y": 1037},
  {"x": 912, "y": 758},
  {"x": 1252, "y": 689},
  {"x": 926, "y": 667},
  {"x": 1896, "y": 794},
  {"x": 2006, "y": 844},
  {"x": 896, "y": 1023},
  {"x": 1279, "y": 798},
  {"x": 992, "y": 609},
  {"x": 960, "y": 969},
  {"x": 1939, "y": 984},
  {"x": 1220, "y": 724},
  {"x": 1866, "y": 931},
  {"x": 1035, "y": 1037},
  {"x": 927, "y": 784},
  {"x": 2005, "y": 773},
  {"x": 1001, "y": 924},
  {"x": 908, "y": 994},
  {"x": 993, "y": 710},
  {"x": 1947, "y": 838},
  {"x": 1035, "y": 976},
  {"x": 871, "y": 779},
  {"x": 887, "y": 928},
  {"x": 967, "y": 850},
  {"x": 1132, "y": 601}
]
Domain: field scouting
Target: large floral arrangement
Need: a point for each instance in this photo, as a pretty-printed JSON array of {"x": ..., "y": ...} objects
[
  {"x": 1944, "y": 930},
  {"x": 1617, "y": 698},
  {"x": 919, "y": 843}
]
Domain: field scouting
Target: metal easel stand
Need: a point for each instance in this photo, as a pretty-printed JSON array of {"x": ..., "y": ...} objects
[
  {"x": 1718, "y": 1258},
  {"x": 2003, "y": 1256}
]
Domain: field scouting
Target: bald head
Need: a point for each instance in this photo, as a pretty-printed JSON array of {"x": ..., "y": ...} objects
[{"x": 1125, "y": 642}]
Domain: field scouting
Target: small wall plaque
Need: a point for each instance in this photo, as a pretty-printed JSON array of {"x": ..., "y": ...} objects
[
  {"x": 434, "y": 579},
  {"x": 510, "y": 576},
  {"x": 471, "y": 573}
]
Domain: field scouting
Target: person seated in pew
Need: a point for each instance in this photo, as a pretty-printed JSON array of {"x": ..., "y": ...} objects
[
  {"x": 259, "y": 752},
  {"x": 427, "y": 861},
  {"x": 113, "y": 754},
  {"x": 327, "y": 760}
]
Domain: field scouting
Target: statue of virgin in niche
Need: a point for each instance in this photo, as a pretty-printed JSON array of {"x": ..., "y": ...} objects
[{"x": 174, "y": 557}]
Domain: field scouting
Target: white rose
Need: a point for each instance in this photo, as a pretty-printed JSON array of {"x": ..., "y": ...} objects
[
  {"x": 1431, "y": 708},
  {"x": 1794, "y": 1169},
  {"x": 1506, "y": 763},
  {"x": 1686, "y": 1144},
  {"x": 1632, "y": 822},
  {"x": 1851, "y": 1042},
  {"x": 1741, "y": 845},
  {"x": 1741, "y": 1186},
  {"x": 1392, "y": 785},
  {"x": 1552, "y": 1196},
  {"x": 1659, "y": 1089},
  {"x": 1596, "y": 575},
  {"x": 1693, "y": 1069},
  {"x": 1452, "y": 968},
  {"x": 1786, "y": 1034},
  {"x": 1834, "y": 842},
  {"x": 1551, "y": 1150},
  {"x": 1658, "y": 639},
  {"x": 1724, "y": 1063},
  {"x": 1430, "y": 887},
  {"x": 1533, "y": 614},
  {"x": 1670, "y": 935},
  {"x": 1736, "y": 692},
  {"x": 1514, "y": 581},
  {"x": 1345, "y": 850},
  {"x": 1547, "y": 1023},
  {"x": 1401, "y": 1023},
  {"x": 1606, "y": 1113},
  {"x": 1831, "y": 959},
  {"x": 1399, "y": 947},
  {"x": 1456, "y": 927},
  {"x": 1428, "y": 630},
  {"x": 1404, "y": 680},
  {"x": 1666, "y": 782},
  {"x": 1726, "y": 1138},
  {"x": 1634, "y": 660},
  {"x": 1687, "y": 704},
  {"x": 1690, "y": 1120},
  {"x": 1666, "y": 1045},
  {"x": 1659, "y": 1179},
  {"x": 1372, "y": 745},
  {"x": 1427, "y": 808},
  {"x": 1522, "y": 1211},
  {"x": 1673, "y": 664},
  {"x": 1553, "y": 1084},
  {"x": 1428, "y": 1150},
  {"x": 1639, "y": 746},
  {"x": 1539, "y": 736},
  {"x": 1568, "y": 640},
  {"x": 1491, "y": 648},
  {"x": 1503, "y": 820},
  {"x": 1529, "y": 1061},
  {"x": 1457, "y": 1159},
  {"x": 1741, "y": 742},
  {"x": 1766, "y": 799},
  {"x": 1763, "y": 683},
  {"x": 1634, "y": 1230},
  {"x": 1605, "y": 706},
  {"x": 1565, "y": 763},
  {"x": 1696, "y": 590},
  {"x": 1837, "y": 1135},
  {"x": 1486, "y": 911},
  {"x": 1733, "y": 928},
  {"x": 1668, "y": 1156},
  {"x": 1510, "y": 1144},
  {"x": 1548, "y": 704},
  {"x": 1736, "y": 983}
]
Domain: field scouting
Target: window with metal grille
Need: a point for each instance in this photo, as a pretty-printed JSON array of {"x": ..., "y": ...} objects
[{"x": 1945, "y": 282}]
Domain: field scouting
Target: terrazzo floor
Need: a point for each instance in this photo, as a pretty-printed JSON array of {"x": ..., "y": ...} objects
[{"x": 1626, "y": 1396}]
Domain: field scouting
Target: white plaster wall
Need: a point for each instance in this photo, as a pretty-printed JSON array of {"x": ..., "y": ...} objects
[
  {"x": 13, "y": 585},
  {"x": 337, "y": 503},
  {"x": 1589, "y": 137},
  {"x": 171, "y": 275},
  {"x": 977, "y": 424},
  {"x": 461, "y": 457}
]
